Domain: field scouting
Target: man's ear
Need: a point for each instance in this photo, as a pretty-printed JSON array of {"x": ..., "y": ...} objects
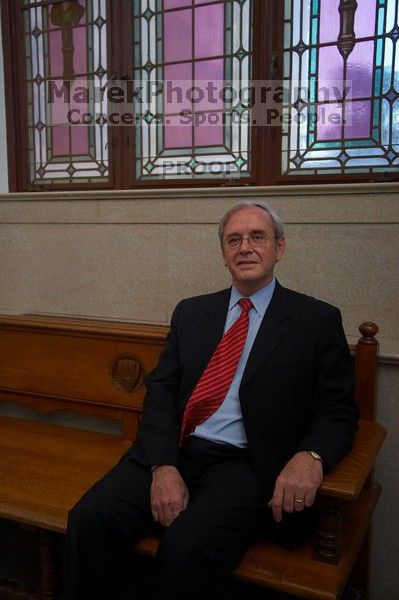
[{"x": 280, "y": 249}]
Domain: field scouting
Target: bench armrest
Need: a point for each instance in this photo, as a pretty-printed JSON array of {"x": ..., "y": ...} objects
[{"x": 347, "y": 478}]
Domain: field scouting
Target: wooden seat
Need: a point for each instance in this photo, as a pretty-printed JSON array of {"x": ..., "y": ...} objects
[{"x": 95, "y": 369}]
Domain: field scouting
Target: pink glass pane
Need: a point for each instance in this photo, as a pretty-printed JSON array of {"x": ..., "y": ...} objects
[
  {"x": 177, "y": 87},
  {"x": 209, "y": 131},
  {"x": 209, "y": 30},
  {"x": 360, "y": 70},
  {"x": 56, "y": 57},
  {"x": 331, "y": 72},
  {"x": 80, "y": 140},
  {"x": 365, "y": 18},
  {"x": 62, "y": 111},
  {"x": 177, "y": 132},
  {"x": 329, "y": 20},
  {"x": 175, "y": 3},
  {"x": 329, "y": 122},
  {"x": 178, "y": 35},
  {"x": 80, "y": 53},
  {"x": 65, "y": 135},
  {"x": 60, "y": 145},
  {"x": 357, "y": 119},
  {"x": 209, "y": 78}
]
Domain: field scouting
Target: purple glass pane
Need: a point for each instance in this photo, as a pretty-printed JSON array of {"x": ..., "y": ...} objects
[
  {"x": 177, "y": 85},
  {"x": 209, "y": 131},
  {"x": 209, "y": 30},
  {"x": 56, "y": 57},
  {"x": 80, "y": 52},
  {"x": 177, "y": 133},
  {"x": 209, "y": 79},
  {"x": 329, "y": 122},
  {"x": 331, "y": 72},
  {"x": 329, "y": 20},
  {"x": 359, "y": 74},
  {"x": 365, "y": 18},
  {"x": 175, "y": 3},
  {"x": 178, "y": 35},
  {"x": 357, "y": 119}
]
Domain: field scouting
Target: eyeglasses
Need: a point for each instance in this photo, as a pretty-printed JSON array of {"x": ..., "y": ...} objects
[{"x": 254, "y": 239}]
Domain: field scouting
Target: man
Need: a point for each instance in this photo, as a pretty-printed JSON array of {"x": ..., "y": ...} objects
[{"x": 250, "y": 400}]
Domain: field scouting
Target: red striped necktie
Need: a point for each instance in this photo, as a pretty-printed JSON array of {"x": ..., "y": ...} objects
[{"x": 215, "y": 381}]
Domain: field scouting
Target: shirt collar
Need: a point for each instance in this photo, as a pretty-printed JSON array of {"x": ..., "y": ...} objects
[{"x": 260, "y": 299}]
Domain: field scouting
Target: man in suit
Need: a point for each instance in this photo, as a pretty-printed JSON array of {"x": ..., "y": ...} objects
[{"x": 211, "y": 476}]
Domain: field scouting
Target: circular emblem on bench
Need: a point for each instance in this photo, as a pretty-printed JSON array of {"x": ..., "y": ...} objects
[{"x": 127, "y": 373}]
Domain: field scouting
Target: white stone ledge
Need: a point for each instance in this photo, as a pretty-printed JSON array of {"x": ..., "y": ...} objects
[
  {"x": 204, "y": 192},
  {"x": 318, "y": 204}
]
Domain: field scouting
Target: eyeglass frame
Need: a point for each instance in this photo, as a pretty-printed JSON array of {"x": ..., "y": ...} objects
[{"x": 241, "y": 238}]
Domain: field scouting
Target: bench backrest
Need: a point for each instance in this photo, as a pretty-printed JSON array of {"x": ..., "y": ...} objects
[
  {"x": 78, "y": 365},
  {"x": 97, "y": 367}
]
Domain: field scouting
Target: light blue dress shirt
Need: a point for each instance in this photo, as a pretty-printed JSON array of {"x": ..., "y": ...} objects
[{"x": 225, "y": 425}]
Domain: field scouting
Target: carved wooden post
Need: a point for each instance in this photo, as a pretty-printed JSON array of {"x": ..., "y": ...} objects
[
  {"x": 329, "y": 532},
  {"x": 367, "y": 357},
  {"x": 67, "y": 15},
  {"x": 366, "y": 365}
]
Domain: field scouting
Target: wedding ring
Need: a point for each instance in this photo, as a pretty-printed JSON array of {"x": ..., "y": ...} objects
[{"x": 299, "y": 501}]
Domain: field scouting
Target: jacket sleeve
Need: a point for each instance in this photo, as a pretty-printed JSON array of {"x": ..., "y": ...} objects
[
  {"x": 332, "y": 427},
  {"x": 157, "y": 439}
]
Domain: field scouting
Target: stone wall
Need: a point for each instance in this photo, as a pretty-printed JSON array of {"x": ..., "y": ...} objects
[{"x": 132, "y": 255}]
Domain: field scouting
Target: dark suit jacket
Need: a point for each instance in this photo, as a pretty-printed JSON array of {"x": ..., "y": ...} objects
[{"x": 295, "y": 394}]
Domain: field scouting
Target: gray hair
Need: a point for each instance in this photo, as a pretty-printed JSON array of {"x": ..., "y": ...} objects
[{"x": 278, "y": 225}]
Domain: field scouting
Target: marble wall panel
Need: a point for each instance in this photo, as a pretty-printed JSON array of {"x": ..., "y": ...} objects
[
  {"x": 107, "y": 271},
  {"x": 354, "y": 267},
  {"x": 385, "y": 535}
]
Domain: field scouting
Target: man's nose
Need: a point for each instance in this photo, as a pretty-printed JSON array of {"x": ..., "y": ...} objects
[{"x": 245, "y": 245}]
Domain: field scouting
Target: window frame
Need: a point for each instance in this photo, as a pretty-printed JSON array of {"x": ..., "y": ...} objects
[{"x": 267, "y": 42}]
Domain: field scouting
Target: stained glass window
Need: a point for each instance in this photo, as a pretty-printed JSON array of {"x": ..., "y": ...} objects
[
  {"x": 208, "y": 103},
  {"x": 192, "y": 60},
  {"x": 65, "y": 51},
  {"x": 341, "y": 73}
]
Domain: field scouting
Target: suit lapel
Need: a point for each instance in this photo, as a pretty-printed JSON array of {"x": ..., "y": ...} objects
[
  {"x": 212, "y": 325},
  {"x": 271, "y": 331}
]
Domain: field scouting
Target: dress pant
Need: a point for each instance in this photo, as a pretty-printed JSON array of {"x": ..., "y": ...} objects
[{"x": 226, "y": 513}]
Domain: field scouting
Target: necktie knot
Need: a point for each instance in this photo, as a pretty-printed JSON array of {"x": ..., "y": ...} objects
[{"x": 246, "y": 305}]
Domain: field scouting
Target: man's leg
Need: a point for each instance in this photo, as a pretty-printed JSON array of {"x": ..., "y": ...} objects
[
  {"x": 226, "y": 513},
  {"x": 113, "y": 515}
]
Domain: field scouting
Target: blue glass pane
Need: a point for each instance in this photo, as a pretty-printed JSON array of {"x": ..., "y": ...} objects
[{"x": 352, "y": 78}]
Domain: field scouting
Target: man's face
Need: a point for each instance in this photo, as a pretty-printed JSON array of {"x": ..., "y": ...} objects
[{"x": 251, "y": 266}]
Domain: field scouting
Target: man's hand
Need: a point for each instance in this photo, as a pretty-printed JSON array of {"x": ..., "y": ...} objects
[
  {"x": 169, "y": 494},
  {"x": 297, "y": 484}
]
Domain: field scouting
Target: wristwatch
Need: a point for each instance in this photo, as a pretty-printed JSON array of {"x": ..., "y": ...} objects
[{"x": 315, "y": 455}]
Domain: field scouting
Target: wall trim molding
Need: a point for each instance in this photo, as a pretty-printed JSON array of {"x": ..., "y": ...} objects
[
  {"x": 355, "y": 204},
  {"x": 206, "y": 192}
]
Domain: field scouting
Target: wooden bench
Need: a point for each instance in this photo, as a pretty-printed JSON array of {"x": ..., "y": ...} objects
[{"x": 95, "y": 369}]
